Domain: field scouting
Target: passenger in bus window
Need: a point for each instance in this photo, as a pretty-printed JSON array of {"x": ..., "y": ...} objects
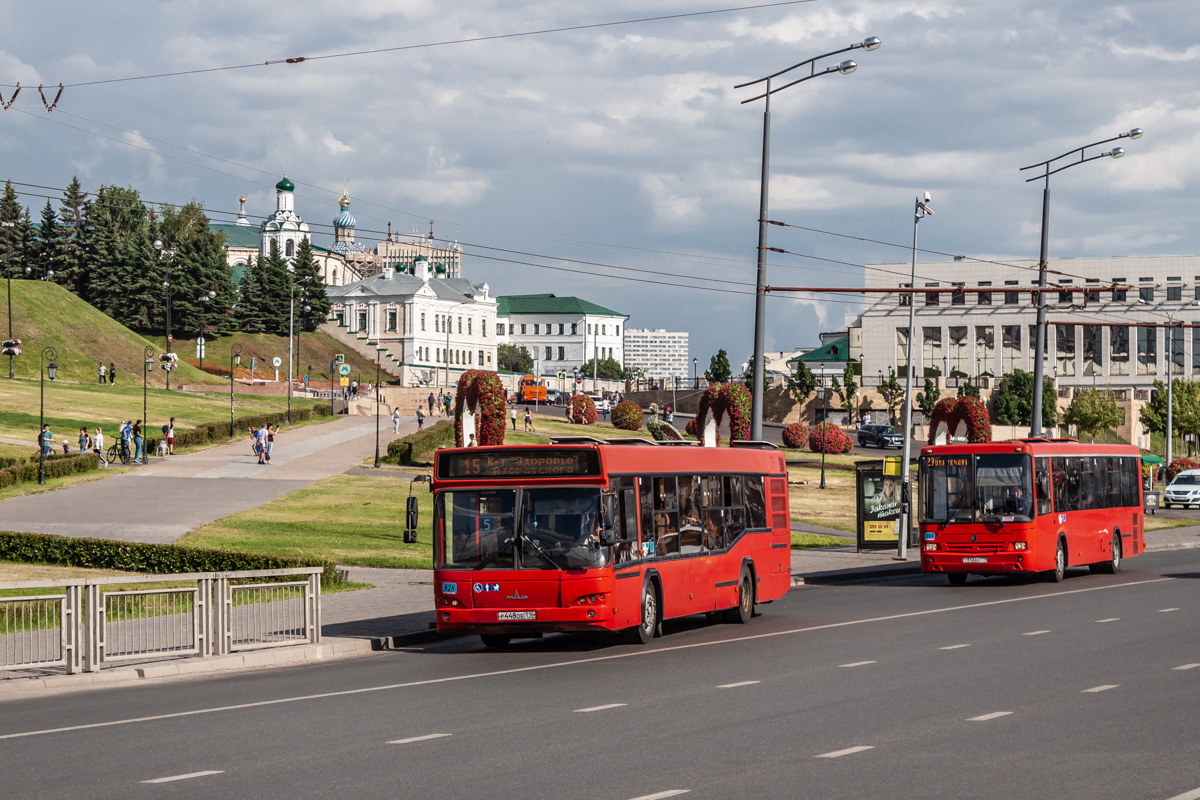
[{"x": 1018, "y": 503}]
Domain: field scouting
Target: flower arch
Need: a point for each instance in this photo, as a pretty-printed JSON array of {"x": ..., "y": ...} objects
[
  {"x": 719, "y": 398},
  {"x": 961, "y": 417},
  {"x": 479, "y": 406}
]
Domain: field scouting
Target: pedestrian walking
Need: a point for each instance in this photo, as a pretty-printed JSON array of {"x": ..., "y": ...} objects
[
  {"x": 472, "y": 443},
  {"x": 431, "y": 404},
  {"x": 420, "y": 418},
  {"x": 138, "y": 456},
  {"x": 528, "y": 419},
  {"x": 396, "y": 418},
  {"x": 170, "y": 431},
  {"x": 98, "y": 446},
  {"x": 112, "y": 373},
  {"x": 513, "y": 412},
  {"x": 126, "y": 436},
  {"x": 83, "y": 440},
  {"x": 270, "y": 444},
  {"x": 103, "y": 373},
  {"x": 260, "y": 443},
  {"x": 447, "y": 405},
  {"x": 46, "y": 440}
]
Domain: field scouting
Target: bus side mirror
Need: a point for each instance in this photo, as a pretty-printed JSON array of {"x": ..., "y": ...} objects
[
  {"x": 608, "y": 511},
  {"x": 608, "y": 537}
]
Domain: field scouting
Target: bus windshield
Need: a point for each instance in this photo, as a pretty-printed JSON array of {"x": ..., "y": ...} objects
[
  {"x": 992, "y": 487},
  {"x": 557, "y": 529}
]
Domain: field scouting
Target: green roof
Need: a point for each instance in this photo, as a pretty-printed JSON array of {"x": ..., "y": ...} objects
[
  {"x": 837, "y": 350},
  {"x": 550, "y": 304},
  {"x": 286, "y": 185},
  {"x": 238, "y": 235}
]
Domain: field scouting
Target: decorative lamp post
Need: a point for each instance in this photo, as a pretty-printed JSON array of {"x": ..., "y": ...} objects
[
  {"x": 203, "y": 301},
  {"x": 44, "y": 369},
  {"x": 824, "y": 420},
  {"x": 695, "y": 377},
  {"x": 235, "y": 358},
  {"x": 1035, "y": 426},
  {"x": 378, "y": 358},
  {"x": 8, "y": 226},
  {"x": 760, "y": 308},
  {"x": 165, "y": 255},
  {"x": 148, "y": 354}
]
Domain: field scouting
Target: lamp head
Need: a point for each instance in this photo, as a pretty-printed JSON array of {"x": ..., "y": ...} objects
[
  {"x": 149, "y": 365},
  {"x": 1136, "y": 133},
  {"x": 51, "y": 370},
  {"x": 1142, "y": 302},
  {"x": 871, "y": 43},
  {"x": 846, "y": 67},
  {"x": 158, "y": 244},
  {"x": 1117, "y": 152}
]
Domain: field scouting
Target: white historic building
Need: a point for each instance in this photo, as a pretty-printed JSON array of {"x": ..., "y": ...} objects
[
  {"x": 561, "y": 333},
  {"x": 661, "y": 353}
]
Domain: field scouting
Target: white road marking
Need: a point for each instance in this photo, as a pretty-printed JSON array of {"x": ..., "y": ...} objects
[
  {"x": 1034, "y": 633},
  {"x": 1103, "y": 688},
  {"x": 187, "y": 776},
  {"x": 1110, "y": 619},
  {"x": 661, "y": 795},
  {"x": 857, "y": 664},
  {"x": 390, "y": 687},
  {"x": 424, "y": 738},
  {"x": 1194, "y": 794},
  {"x": 986, "y": 717},
  {"x": 847, "y": 751},
  {"x": 954, "y": 647},
  {"x": 1187, "y": 666},
  {"x": 598, "y": 708},
  {"x": 1166, "y": 610},
  {"x": 735, "y": 685}
]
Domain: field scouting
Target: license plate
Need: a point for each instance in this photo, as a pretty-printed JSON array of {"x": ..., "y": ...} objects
[
  {"x": 516, "y": 616},
  {"x": 974, "y": 559}
]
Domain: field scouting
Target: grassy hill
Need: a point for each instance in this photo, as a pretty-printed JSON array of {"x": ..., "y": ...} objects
[
  {"x": 47, "y": 315},
  {"x": 316, "y": 351}
]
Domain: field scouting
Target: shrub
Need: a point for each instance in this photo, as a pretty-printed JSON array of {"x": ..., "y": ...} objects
[
  {"x": 795, "y": 435},
  {"x": 211, "y": 432},
  {"x": 1179, "y": 465},
  {"x": 848, "y": 446},
  {"x": 690, "y": 428},
  {"x": 628, "y": 416},
  {"x": 827, "y": 438},
  {"x": 44, "y": 548},
  {"x": 583, "y": 410},
  {"x": 57, "y": 466},
  {"x": 417, "y": 449}
]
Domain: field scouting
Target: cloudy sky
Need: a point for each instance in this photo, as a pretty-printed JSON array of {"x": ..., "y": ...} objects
[{"x": 620, "y": 156}]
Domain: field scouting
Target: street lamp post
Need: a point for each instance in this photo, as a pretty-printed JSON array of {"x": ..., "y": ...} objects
[
  {"x": 1035, "y": 426},
  {"x": 44, "y": 369},
  {"x": 8, "y": 226},
  {"x": 921, "y": 210},
  {"x": 824, "y": 420},
  {"x": 235, "y": 357},
  {"x": 378, "y": 358},
  {"x": 166, "y": 255},
  {"x": 760, "y": 309},
  {"x": 695, "y": 376},
  {"x": 291, "y": 325},
  {"x": 203, "y": 301},
  {"x": 148, "y": 354}
]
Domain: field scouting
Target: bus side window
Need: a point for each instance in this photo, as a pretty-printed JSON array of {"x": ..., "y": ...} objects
[
  {"x": 1059, "y": 474},
  {"x": 644, "y": 487},
  {"x": 756, "y": 502},
  {"x": 1044, "y": 505},
  {"x": 666, "y": 516}
]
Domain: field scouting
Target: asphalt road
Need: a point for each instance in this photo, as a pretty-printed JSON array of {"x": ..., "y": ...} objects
[{"x": 905, "y": 688}]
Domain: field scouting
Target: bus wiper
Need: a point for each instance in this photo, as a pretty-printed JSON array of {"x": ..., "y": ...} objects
[
  {"x": 543, "y": 552},
  {"x": 996, "y": 518},
  {"x": 500, "y": 552}
]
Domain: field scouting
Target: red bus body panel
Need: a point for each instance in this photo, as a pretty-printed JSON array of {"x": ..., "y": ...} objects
[
  {"x": 691, "y": 584},
  {"x": 1088, "y": 533}
]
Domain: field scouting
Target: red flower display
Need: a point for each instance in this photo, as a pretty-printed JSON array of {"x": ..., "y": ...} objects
[
  {"x": 794, "y": 435},
  {"x": 690, "y": 428},
  {"x": 628, "y": 416},
  {"x": 583, "y": 409},
  {"x": 483, "y": 392},
  {"x": 967, "y": 410},
  {"x": 828, "y": 438},
  {"x": 1179, "y": 465},
  {"x": 722, "y": 397}
]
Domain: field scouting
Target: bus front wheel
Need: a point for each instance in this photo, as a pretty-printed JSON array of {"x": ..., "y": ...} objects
[
  {"x": 495, "y": 641},
  {"x": 1059, "y": 572},
  {"x": 646, "y": 630},
  {"x": 956, "y": 578}
]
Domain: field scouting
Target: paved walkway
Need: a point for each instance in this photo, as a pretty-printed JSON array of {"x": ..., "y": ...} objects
[{"x": 167, "y": 498}]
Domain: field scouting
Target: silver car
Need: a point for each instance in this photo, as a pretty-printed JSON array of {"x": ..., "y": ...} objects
[{"x": 1183, "y": 490}]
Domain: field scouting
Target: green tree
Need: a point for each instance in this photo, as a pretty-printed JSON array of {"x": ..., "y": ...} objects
[
  {"x": 608, "y": 368},
  {"x": 72, "y": 256},
  {"x": 848, "y": 388},
  {"x": 248, "y": 310},
  {"x": 1012, "y": 401},
  {"x": 48, "y": 253},
  {"x": 892, "y": 392},
  {"x": 718, "y": 368},
  {"x": 1185, "y": 410},
  {"x": 802, "y": 382},
  {"x": 11, "y": 212},
  {"x": 968, "y": 389},
  {"x": 275, "y": 286},
  {"x": 126, "y": 273},
  {"x": 927, "y": 399},
  {"x": 748, "y": 378},
  {"x": 514, "y": 358},
  {"x": 1092, "y": 411},
  {"x": 314, "y": 295}
]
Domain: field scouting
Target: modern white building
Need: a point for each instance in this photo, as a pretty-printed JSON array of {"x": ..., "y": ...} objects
[
  {"x": 561, "y": 333},
  {"x": 1097, "y": 335},
  {"x": 661, "y": 353}
]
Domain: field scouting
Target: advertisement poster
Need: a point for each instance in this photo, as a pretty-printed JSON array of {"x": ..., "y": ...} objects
[{"x": 879, "y": 506}]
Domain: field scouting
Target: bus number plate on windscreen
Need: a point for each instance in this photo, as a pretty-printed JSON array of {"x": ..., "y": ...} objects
[{"x": 516, "y": 616}]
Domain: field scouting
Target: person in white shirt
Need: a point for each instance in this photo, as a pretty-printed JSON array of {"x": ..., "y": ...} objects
[
  {"x": 98, "y": 446},
  {"x": 396, "y": 420}
]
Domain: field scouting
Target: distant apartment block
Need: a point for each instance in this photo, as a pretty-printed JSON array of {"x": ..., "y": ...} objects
[{"x": 661, "y": 353}]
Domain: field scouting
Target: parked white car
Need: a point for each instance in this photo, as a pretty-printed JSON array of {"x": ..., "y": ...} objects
[{"x": 1183, "y": 490}]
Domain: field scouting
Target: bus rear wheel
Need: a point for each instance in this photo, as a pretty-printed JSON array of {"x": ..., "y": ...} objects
[
  {"x": 956, "y": 578},
  {"x": 495, "y": 641},
  {"x": 743, "y": 612},
  {"x": 1113, "y": 565}
]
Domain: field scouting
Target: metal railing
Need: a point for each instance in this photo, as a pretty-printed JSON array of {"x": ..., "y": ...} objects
[{"x": 217, "y": 615}]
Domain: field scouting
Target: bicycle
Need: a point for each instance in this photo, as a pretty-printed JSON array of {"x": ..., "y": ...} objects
[{"x": 118, "y": 452}]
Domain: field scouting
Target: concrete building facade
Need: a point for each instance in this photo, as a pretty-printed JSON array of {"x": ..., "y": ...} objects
[{"x": 561, "y": 333}]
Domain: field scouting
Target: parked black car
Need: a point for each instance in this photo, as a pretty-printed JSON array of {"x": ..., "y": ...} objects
[{"x": 879, "y": 436}]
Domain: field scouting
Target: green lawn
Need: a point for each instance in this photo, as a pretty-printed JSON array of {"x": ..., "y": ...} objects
[
  {"x": 801, "y": 541},
  {"x": 348, "y": 519}
]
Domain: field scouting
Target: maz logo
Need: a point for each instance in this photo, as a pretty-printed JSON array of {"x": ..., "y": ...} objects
[{"x": 516, "y": 596}]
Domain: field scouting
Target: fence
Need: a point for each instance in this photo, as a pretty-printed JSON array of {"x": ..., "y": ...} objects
[{"x": 83, "y": 627}]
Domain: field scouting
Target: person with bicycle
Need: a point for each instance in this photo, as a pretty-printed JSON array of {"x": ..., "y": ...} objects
[{"x": 126, "y": 437}]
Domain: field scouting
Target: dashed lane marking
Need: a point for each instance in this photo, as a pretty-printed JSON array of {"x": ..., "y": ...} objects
[
  {"x": 1194, "y": 794},
  {"x": 661, "y": 795},
  {"x": 954, "y": 647},
  {"x": 1034, "y": 633},
  {"x": 188, "y": 776},
  {"x": 391, "y": 687},
  {"x": 1167, "y": 610},
  {"x": 424, "y": 738},
  {"x": 986, "y": 717},
  {"x": 847, "y": 751},
  {"x": 1110, "y": 619},
  {"x": 1103, "y": 688},
  {"x": 598, "y": 708},
  {"x": 739, "y": 683},
  {"x": 1187, "y": 666},
  {"x": 857, "y": 663}
]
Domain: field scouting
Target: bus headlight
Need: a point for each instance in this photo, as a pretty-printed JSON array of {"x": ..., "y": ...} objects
[
  {"x": 1020, "y": 545},
  {"x": 930, "y": 546}
]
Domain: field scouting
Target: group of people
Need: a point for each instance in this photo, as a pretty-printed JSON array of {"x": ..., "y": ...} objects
[
  {"x": 440, "y": 404},
  {"x": 528, "y": 418},
  {"x": 263, "y": 441},
  {"x": 107, "y": 374},
  {"x": 130, "y": 435}
]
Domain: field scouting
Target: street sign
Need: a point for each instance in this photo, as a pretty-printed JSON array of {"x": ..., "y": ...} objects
[
  {"x": 344, "y": 370},
  {"x": 561, "y": 374},
  {"x": 579, "y": 380},
  {"x": 253, "y": 363},
  {"x": 199, "y": 340},
  {"x": 340, "y": 358},
  {"x": 345, "y": 381},
  {"x": 170, "y": 338},
  {"x": 306, "y": 379},
  {"x": 276, "y": 361}
]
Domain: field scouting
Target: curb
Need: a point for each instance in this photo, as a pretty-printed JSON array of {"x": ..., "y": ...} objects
[{"x": 856, "y": 574}]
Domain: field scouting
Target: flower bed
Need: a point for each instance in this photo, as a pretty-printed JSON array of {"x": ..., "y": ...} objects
[
  {"x": 628, "y": 416},
  {"x": 828, "y": 438},
  {"x": 583, "y": 409},
  {"x": 795, "y": 435}
]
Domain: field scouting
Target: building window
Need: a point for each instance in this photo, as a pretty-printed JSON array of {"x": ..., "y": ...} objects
[
  {"x": 958, "y": 297},
  {"x": 574, "y": 325},
  {"x": 1064, "y": 342},
  {"x": 537, "y": 329},
  {"x": 904, "y": 300},
  {"x": 1146, "y": 293},
  {"x": 548, "y": 352},
  {"x": 362, "y": 321},
  {"x": 460, "y": 324},
  {"x": 1147, "y": 351},
  {"x": 932, "y": 299},
  {"x": 562, "y": 351},
  {"x": 1011, "y": 298},
  {"x": 1010, "y": 353},
  {"x": 391, "y": 321},
  {"x": 902, "y": 350},
  {"x": 1118, "y": 351},
  {"x": 618, "y": 331},
  {"x": 1046, "y": 354},
  {"x": 983, "y": 299},
  {"x": 561, "y": 328},
  {"x": 1174, "y": 294},
  {"x": 985, "y": 347},
  {"x": 289, "y": 248},
  {"x": 422, "y": 321},
  {"x": 1122, "y": 295},
  {"x": 1175, "y": 346},
  {"x": 958, "y": 349},
  {"x": 931, "y": 349},
  {"x": 489, "y": 359},
  {"x": 522, "y": 328},
  {"x": 1196, "y": 351},
  {"x": 483, "y": 327},
  {"x": 1065, "y": 297},
  {"x": 481, "y": 358},
  {"x": 589, "y": 333},
  {"x": 1093, "y": 350},
  {"x": 468, "y": 326},
  {"x": 439, "y": 355}
]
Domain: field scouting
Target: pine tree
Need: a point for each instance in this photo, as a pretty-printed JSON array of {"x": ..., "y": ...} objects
[
  {"x": 718, "y": 368},
  {"x": 10, "y": 242},
  {"x": 274, "y": 282},
  {"x": 248, "y": 311},
  {"x": 47, "y": 264},
  {"x": 72, "y": 245},
  {"x": 313, "y": 294}
]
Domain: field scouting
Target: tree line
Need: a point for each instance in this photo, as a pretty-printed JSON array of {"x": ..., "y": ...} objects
[{"x": 101, "y": 247}]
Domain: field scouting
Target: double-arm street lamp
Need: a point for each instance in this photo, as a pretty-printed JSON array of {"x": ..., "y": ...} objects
[
  {"x": 235, "y": 357},
  {"x": 8, "y": 226},
  {"x": 166, "y": 255},
  {"x": 760, "y": 310},
  {"x": 1035, "y": 426},
  {"x": 148, "y": 354},
  {"x": 51, "y": 369},
  {"x": 291, "y": 337}
]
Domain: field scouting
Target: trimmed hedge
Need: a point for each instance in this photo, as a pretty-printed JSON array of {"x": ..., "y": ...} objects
[
  {"x": 25, "y": 470},
  {"x": 43, "y": 548},
  {"x": 417, "y": 449},
  {"x": 211, "y": 432}
]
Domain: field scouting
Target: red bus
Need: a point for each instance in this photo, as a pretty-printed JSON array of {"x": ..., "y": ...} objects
[
  {"x": 581, "y": 535},
  {"x": 1029, "y": 506}
]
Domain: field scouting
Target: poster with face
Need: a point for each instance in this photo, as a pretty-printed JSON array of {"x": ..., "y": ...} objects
[{"x": 879, "y": 506}]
